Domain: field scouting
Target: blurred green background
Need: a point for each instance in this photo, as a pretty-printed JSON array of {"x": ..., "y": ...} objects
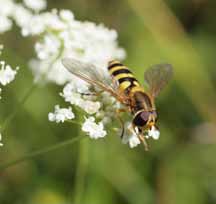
[{"x": 179, "y": 168}]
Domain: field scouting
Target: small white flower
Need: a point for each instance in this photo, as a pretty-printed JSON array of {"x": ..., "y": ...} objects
[
  {"x": 90, "y": 107},
  {"x": 70, "y": 95},
  {"x": 130, "y": 137},
  {"x": 80, "y": 86},
  {"x": 94, "y": 130},
  {"x": 48, "y": 48},
  {"x": 75, "y": 99},
  {"x": 7, "y": 74},
  {"x": 134, "y": 141},
  {"x": 21, "y": 15},
  {"x": 154, "y": 133},
  {"x": 36, "y": 5},
  {"x": 6, "y": 7},
  {"x": 66, "y": 15},
  {"x": 35, "y": 26},
  {"x": 53, "y": 21},
  {"x": 0, "y": 140},
  {"x": 5, "y": 24},
  {"x": 61, "y": 114}
]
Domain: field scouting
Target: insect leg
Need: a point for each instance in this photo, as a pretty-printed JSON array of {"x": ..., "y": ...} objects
[
  {"x": 118, "y": 111},
  {"x": 91, "y": 94},
  {"x": 141, "y": 137},
  {"x": 88, "y": 94}
]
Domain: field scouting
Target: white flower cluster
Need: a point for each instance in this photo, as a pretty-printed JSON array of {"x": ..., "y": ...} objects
[
  {"x": 7, "y": 74},
  {"x": 154, "y": 133},
  {"x": 94, "y": 130},
  {"x": 97, "y": 107},
  {"x": 36, "y": 5},
  {"x": 61, "y": 114},
  {"x": 6, "y": 10},
  {"x": 74, "y": 95},
  {"x": 11, "y": 11},
  {"x": 61, "y": 35}
]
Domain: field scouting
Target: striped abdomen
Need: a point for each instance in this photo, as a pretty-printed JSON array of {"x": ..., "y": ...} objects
[
  {"x": 131, "y": 87},
  {"x": 123, "y": 76}
]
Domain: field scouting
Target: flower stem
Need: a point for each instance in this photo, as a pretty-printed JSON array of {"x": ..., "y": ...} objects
[
  {"x": 29, "y": 92},
  {"x": 81, "y": 172},
  {"x": 40, "y": 152},
  {"x": 21, "y": 102}
]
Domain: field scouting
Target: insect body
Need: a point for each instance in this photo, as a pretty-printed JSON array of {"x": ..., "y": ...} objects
[
  {"x": 141, "y": 104},
  {"x": 127, "y": 90}
]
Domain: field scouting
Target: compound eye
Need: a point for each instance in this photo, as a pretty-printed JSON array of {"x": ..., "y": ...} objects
[
  {"x": 141, "y": 119},
  {"x": 145, "y": 115}
]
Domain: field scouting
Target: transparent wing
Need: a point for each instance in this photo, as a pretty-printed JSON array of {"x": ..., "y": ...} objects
[
  {"x": 89, "y": 73},
  {"x": 157, "y": 77}
]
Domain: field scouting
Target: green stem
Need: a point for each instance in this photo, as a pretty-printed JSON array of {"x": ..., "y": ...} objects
[
  {"x": 74, "y": 122},
  {"x": 29, "y": 92},
  {"x": 21, "y": 102},
  {"x": 40, "y": 152},
  {"x": 81, "y": 172}
]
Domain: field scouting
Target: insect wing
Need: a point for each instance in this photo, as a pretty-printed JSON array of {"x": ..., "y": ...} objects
[
  {"x": 157, "y": 77},
  {"x": 89, "y": 73}
]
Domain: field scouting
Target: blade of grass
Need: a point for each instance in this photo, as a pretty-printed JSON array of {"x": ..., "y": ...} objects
[
  {"x": 81, "y": 172},
  {"x": 39, "y": 152}
]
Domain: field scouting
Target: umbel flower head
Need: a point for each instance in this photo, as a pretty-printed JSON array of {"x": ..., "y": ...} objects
[
  {"x": 21, "y": 14},
  {"x": 61, "y": 35}
]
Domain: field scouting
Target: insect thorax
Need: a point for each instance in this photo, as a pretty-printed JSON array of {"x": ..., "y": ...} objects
[{"x": 142, "y": 101}]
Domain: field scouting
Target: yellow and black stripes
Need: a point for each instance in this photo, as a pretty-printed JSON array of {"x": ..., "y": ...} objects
[
  {"x": 123, "y": 75},
  {"x": 114, "y": 63}
]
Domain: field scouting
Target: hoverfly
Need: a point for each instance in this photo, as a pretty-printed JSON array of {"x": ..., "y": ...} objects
[{"x": 127, "y": 90}]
